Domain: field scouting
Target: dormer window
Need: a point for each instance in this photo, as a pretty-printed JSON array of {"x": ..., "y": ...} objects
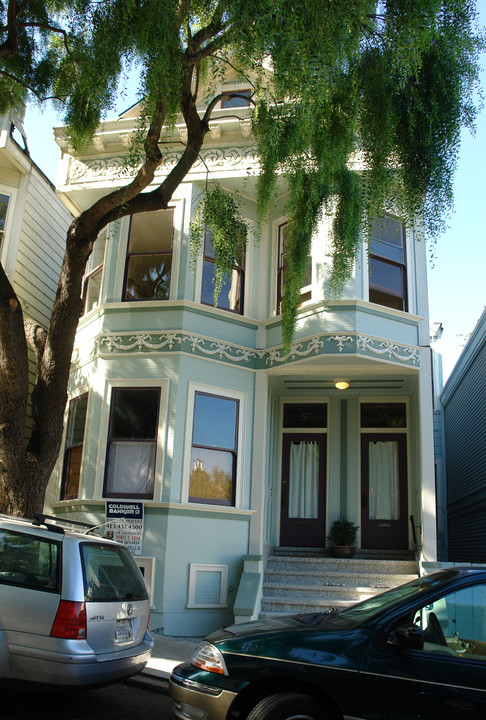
[
  {"x": 237, "y": 102},
  {"x": 388, "y": 263}
]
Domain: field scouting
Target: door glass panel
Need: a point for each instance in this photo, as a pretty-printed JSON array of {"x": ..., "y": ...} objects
[
  {"x": 384, "y": 481},
  {"x": 304, "y": 480}
]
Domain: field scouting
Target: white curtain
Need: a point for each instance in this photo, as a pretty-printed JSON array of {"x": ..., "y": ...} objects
[
  {"x": 304, "y": 480},
  {"x": 131, "y": 468},
  {"x": 383, "y": 481}
]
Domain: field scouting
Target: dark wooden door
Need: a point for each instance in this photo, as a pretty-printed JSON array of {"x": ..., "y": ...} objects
[
  {"x": 384, "y": 495},
  {"x": 303, "y": 493}
]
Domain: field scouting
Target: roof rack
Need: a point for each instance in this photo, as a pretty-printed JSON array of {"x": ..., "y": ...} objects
[{"x": 57, "y": 524}]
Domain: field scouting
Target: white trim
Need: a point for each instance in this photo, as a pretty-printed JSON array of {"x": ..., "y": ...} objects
[
  {"x": 186, "y": 466},
  {"x": 194, "y": 569}
]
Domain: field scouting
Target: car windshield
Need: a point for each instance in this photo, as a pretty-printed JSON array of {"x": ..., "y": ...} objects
[
  {"x": 111, "y": 573},
  {"x": 367, "y": 609}
]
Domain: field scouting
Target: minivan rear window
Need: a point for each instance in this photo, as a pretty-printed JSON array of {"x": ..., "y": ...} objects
[
  {"x": 28, "y": 561},
  {"x": 110, "y": 573}
]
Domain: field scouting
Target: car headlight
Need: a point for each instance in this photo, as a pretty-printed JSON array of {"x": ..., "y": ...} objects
[{"x": 207, "y": 657}]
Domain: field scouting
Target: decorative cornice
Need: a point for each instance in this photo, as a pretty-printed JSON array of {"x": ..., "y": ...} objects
[
  {"x": 318, "y": 345},
  {"x": 115, "y": 167}
]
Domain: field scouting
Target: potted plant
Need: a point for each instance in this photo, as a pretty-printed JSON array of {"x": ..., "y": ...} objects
[{"x": 342, "y": 537}]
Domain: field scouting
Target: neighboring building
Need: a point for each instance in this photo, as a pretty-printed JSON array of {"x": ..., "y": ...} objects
[
  {"x": 463, "y": 408},
  {"x": 33, "y": 226},
  {"x": 195, "y": 412}
]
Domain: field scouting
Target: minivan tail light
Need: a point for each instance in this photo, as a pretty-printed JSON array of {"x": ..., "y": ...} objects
[{"x": 70, "y": 621}]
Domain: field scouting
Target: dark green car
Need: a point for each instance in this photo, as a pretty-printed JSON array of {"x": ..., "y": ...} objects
[{"x": 417, "y": 651}]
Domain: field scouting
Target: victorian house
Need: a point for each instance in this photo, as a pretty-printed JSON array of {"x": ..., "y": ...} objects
[{"x": 190, "y": 415}]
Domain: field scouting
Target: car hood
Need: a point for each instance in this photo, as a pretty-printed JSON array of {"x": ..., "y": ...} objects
[{"x": 296, "y": 638}]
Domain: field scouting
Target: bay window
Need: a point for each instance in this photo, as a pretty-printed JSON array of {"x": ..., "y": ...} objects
[{"x": 306, "y": 287}]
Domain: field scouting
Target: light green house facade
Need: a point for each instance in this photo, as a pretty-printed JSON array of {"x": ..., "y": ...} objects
[{"x": 195, "y": 412}]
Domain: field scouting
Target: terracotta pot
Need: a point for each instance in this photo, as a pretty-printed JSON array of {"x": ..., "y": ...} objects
[{"x": 343, "y": 551}]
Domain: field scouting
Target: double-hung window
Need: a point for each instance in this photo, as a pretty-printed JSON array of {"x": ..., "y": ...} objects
[
  {"x": 132, "y": 443},
  {"x": 149, "y": 256},
  {"x": 388, "y": 264},
  {"x": 71, "y": 473},
  {"x": 231, "y": 295},
  {"x": 214, "y": 449},
  {"x": 306, "y": 287}
]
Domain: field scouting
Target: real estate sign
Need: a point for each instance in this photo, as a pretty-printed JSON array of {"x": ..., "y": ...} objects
[{"x": 124, "y": 523}]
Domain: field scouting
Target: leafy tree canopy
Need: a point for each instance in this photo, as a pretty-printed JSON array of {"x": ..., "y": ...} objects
[
  {"x": 358, "y": 105},
  {"x": 393, "y": 80}
]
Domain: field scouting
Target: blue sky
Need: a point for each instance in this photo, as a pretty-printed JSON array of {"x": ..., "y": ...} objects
[{"x": 457, "y": 275}]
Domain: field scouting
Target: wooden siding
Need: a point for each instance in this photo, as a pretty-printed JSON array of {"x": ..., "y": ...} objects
[
  {"x": 465, "y": 442},
  {"x": 40, "y": 251}
]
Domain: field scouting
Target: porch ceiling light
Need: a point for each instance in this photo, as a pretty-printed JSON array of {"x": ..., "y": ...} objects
[{"x": 341, "y": 384}]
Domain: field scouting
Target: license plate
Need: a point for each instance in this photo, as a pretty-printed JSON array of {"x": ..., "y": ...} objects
[{"x": 124, "y": 630}]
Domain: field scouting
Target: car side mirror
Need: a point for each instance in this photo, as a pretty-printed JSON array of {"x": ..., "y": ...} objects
[{"x": 406, "y": 636}]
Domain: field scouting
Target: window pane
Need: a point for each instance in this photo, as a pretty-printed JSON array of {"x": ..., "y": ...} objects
[
  {"x": 389, "y": 415},
  {"x": 151, "y": 232},
  {"x": 74, "y": 447},
  {"x": 388, "y": 238},
  {"x": 386, "y": 277},
  {"x": 215, "y": 421},
  {"x": 237, "y": 101},
  {"x": 131, "y": 468},
  {"x": 307, "y": 415},
  {"x": 148, "y": 276},
  {"x": 110, "y": 574},
  {"x": 27, "y": 561},
  {"x": 92, "y": 290},
  {"x": 134, "y": 413},
  {"x": 229, "y": 297},
  {"x": 211, "y": 475}
]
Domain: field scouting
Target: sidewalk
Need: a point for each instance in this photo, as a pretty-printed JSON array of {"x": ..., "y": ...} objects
[{"x": 166, "y": 654}]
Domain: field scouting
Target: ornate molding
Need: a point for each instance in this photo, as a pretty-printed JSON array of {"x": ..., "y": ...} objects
[
  {"x": 318, "y": 345},
  {"x": 115, "y": 167}
]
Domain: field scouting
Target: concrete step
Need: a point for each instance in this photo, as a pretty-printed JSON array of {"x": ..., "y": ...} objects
[{"x": 310, "y": 582}]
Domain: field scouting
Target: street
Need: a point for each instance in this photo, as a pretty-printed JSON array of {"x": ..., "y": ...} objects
[{"x": 115, "y": 702}]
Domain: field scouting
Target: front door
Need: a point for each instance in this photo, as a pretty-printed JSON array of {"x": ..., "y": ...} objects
[
  {"x": 384, "y": 497},
  {"x": 302, "y": 518}
]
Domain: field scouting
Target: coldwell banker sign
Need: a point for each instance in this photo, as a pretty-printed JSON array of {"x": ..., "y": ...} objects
[{"x": 124, "y": 523}]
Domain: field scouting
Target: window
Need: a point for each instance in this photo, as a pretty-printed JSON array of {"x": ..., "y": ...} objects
[
  {"x": 4, "y": 200},
  {"x": 214, "y": 450},
  {"x": 132, "y": 442},
  {"x": 305, "y": 415},
  {"x": 94, "y": 272},
  {"x": 110, "y": 574},
  {"x": 231, "y": 295},
  {"x": 236, "y": 102},
  {"x": 306, "y": 289},
  {"x": 388, "y": 273},
  {"x": 28, "y": 561},
  {"x": 455, "y": 625},
  {"x": 149, "y": 258},
  {"x": 383, "y": 415},
  {"x": 71, "y": 472}
]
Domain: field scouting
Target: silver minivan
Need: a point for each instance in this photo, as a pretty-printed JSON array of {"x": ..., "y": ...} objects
[{"x": 74, "y": 607}]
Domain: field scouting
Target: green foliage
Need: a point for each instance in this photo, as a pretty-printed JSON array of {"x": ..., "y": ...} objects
[
  {"x": 342, "y": 533},
  {"x": 385, "y": 87},
  {"x": 219, "y": 214}
]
